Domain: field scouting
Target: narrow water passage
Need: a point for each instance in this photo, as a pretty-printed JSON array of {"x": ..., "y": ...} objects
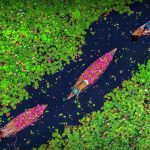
[{"x": 114, "y": 32}]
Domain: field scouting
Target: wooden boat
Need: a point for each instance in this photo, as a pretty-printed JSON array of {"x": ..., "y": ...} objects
[
  {"x": 92, "y": 73},
  {"x": 22, "y": 121},
  {"x": 141, "y": 31}
]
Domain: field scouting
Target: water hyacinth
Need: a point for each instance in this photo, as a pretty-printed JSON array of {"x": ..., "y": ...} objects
[
  {"x": 33, "y": 44},
  {"x": 122, "y": 123}
]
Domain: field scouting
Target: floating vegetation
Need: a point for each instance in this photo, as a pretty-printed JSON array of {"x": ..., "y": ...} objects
[
  {"x": 122, "y": 123},
  {"x": 33, "y": 44},
  {"x": 43, "y": 42}
]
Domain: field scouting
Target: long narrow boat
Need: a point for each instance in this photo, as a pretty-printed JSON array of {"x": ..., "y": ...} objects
[
  {"x": 141, "y": 31},
  {"x": 92, "y": 73},
  {"x": 22, "y": 121}
]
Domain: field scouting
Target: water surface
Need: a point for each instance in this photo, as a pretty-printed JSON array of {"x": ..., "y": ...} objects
[{"x": 114, "y": 32}]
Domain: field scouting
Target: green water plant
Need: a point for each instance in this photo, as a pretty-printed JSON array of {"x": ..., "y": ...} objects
[
  {"x": 122, "y": 123},
  {"x": 40, "y": 37}
]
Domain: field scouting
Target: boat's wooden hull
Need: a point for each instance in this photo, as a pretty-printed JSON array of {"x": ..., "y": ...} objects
[
  {"x": 93, "y": 72},
  {"x": 141, "y": 31},
  {"x": 22, "y": 121}
]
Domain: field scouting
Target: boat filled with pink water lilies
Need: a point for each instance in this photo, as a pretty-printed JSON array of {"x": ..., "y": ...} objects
[
  {"x": 92, "y": 73},
  {"x": 22, "y": 121}
]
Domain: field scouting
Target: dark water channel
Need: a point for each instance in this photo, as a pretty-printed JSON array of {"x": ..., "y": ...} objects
[{"x": 114, "y": 32}]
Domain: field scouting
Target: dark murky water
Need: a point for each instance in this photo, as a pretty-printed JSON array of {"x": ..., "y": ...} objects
[{"x": 114, "y": 32}]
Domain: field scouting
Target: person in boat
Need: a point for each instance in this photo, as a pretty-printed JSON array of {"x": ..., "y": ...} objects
[
  {"x": 147, "y": 29},
  {"x": 86, "y": 81},
  {"x": 75, "y": 91}
]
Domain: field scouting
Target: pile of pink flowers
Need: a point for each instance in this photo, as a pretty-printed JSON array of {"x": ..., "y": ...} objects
[
  {"x": 100, "y": 65},
  {"x": 29, "y": 116}
]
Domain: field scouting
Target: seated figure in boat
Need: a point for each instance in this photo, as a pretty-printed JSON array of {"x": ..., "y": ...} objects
[
  {"x": 147, "y": 29},
  {"x": 86, "y": 81},
  {"x": 75, "y": 91}
]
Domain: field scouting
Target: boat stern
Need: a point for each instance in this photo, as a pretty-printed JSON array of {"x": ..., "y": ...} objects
[
  {"x": 138, "y": 32},
  {"x": 75, "y": 91},
  {"x": 70, "y": 96}
]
